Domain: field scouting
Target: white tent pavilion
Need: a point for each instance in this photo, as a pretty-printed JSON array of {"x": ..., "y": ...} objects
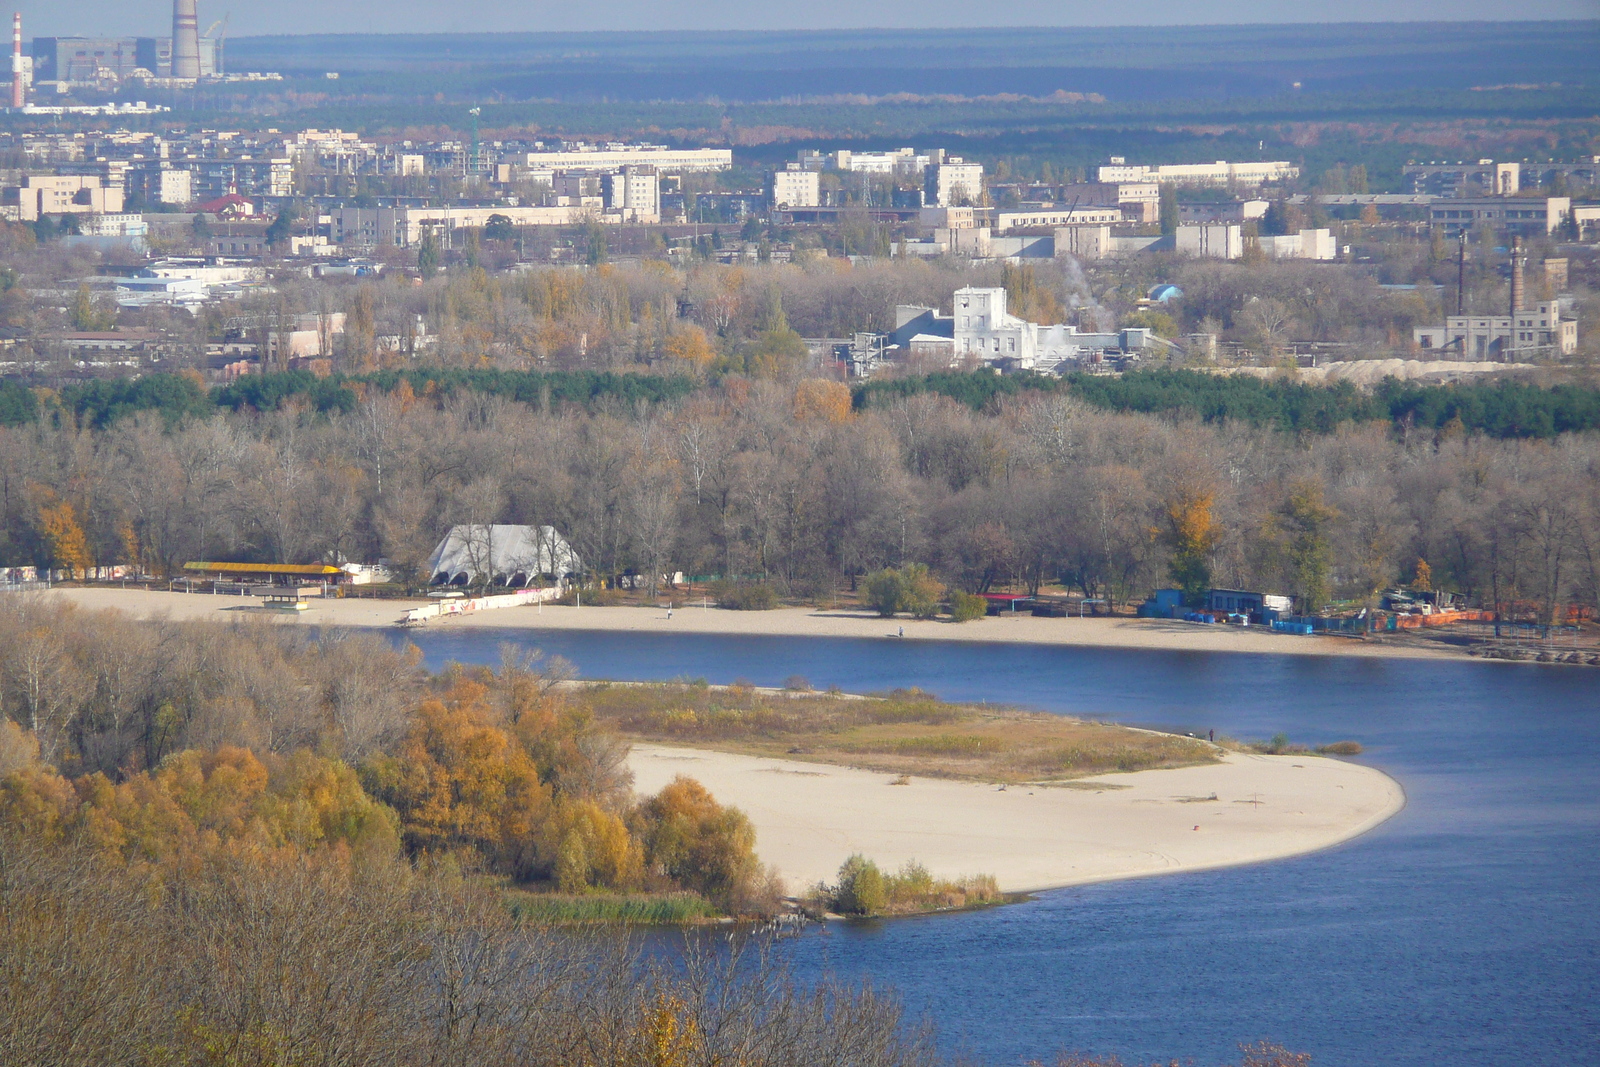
[{"x": 501, "y": 554}]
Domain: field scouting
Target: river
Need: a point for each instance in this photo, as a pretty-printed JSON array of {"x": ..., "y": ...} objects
[{"x": 1465, "y": 930}]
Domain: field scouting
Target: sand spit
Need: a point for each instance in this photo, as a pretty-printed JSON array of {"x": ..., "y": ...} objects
[
  {"x": 810, "y": 817},
  {"x": 691, "y": 618}
]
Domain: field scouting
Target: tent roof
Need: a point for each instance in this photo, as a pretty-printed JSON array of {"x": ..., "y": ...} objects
[{"x": 504, "y": 551}]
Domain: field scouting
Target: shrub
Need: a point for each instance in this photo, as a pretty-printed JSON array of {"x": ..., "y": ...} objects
[
  {"x": 1341, "y": 748},
  {"x": 745, "y": 596},
  {"x": 910, "y": 589},
  {"x": 964, "y": 607},
  {"x": 862, "y": 890},
  {"x": 797, "y": 683}
]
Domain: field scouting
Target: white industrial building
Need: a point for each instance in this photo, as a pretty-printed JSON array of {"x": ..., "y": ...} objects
[
  {"x": 1006, "y": 221},
  {"x": 37, "y": 195},
  {"x": 613, "y": 157},
  {"x": 1532, "y": 331},
  {"x": 501, "y": 554},
  {"x": 1227, "y": 240},
  {"x": 1219, "y": 173},
  {"x": 1520, "y": 215}
]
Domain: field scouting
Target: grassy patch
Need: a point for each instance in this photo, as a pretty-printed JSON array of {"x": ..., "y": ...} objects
[
  {"x": 901, "y": 733},
  {"x": 656, "y": 909}
]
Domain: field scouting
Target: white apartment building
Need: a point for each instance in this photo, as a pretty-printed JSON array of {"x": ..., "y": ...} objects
[
  {"x": 613, "y": 157},
  {"x": 1487, "y": 337},
  {"x": 1219, "y": 173},
  {"x": 170, "y": 186},
  {"x": 954, "y": 182},
  {"x": 635, "y": 192},
  {"x": 794, "y": 187}
]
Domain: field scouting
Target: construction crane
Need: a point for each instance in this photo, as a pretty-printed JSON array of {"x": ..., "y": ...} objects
[{"x": 222, "y": 40}]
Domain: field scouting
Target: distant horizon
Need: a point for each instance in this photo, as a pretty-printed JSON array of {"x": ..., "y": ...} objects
[{"x": 408, "y": 18}]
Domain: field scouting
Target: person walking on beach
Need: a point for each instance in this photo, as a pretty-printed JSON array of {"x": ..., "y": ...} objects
[
  {"x": 902, "y": 631},
  {"x": 669, "y": 612}
]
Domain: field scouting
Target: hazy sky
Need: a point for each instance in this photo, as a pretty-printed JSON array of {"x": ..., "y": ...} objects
[{"x": 61, "y": 17}]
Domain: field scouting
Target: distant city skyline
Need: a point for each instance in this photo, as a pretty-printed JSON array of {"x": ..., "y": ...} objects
[{"x": 154, "y": 17}]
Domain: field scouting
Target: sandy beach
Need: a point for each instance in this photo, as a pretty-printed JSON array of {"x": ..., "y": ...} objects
[
  {"x": 810, "y": 817},
  {"x": 781, "y": 622}
]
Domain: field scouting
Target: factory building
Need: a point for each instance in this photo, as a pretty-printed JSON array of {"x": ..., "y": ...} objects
[
  {"x": 1219, "y": 173},
  {"x": 1139, "y": 201},
  {"x": 1081, "y": 215},
  {"x": 38, "y": 195},
  {"x": 613, "y": 157},
  {"x": 1516, "y": 215},
  {"x": 89, "y": 60}
]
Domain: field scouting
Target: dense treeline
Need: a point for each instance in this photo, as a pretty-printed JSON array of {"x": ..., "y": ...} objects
[
  {"x": 161, "y": 744},
  {"x": 794, "y": 482},
  {"x": 1498, "y": 409}
]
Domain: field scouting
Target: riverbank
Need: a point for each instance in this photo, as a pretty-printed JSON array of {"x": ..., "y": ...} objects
[
  {"x": 810, "y": 817},
  {"x": 1157, "y": 634}
]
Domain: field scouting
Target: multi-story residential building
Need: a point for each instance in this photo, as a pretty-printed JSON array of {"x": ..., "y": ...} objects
[
  {"x": 1517, "y": 215},
  {"x": 954, "y": 183},
  {"x": 243, "y": 174},
  {"x": 1485, "y": 177},
  {"x": 1219, "y": 173},
  {"x": 796, "y": 187},
  {"x": 635, "y": 192},
  {"x": 160, "y": 183}
]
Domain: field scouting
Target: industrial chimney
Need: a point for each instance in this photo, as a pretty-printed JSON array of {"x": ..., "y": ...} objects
[
  {"x": 1519, "y": 259},
  {"x": 185, "y": 39},
  {"x": 17, "y": 100}
]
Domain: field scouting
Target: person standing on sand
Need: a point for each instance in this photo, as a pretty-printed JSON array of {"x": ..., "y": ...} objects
[
  {"x": 669, "y": 612},
  {"x": 902, "y": 631}
]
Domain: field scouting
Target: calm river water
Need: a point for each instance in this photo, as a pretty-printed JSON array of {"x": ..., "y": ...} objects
[{"x": 1466, "y": 930}]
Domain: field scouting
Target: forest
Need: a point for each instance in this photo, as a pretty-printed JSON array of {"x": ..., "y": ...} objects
[{"x": 792, "y": 482}]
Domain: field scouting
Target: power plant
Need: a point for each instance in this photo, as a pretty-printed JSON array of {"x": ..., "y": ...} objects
[
  {"x": 185, "y": 39},
  {"x": 185, "y": 56}
]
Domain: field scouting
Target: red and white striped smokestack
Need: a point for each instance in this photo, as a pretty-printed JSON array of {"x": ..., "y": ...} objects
[
  {"x": 16, "y": 60},
  {"x": 185, "y": 39}
]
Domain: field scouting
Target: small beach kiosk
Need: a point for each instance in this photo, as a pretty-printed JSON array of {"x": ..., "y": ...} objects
[{"x": 281, "y": 586}]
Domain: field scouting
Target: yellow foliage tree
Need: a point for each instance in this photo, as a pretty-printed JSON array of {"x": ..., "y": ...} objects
[
  {"x": 819, "y": 398},
  {"x": 460, "y": 782},
  {"x": 1192, "y": 532},
  {"x": 58, "y": 526},
  {"x": 593, "y": 849},
  {"x": 700, "y": 844},
  {"x": 688, "y": 344}
]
